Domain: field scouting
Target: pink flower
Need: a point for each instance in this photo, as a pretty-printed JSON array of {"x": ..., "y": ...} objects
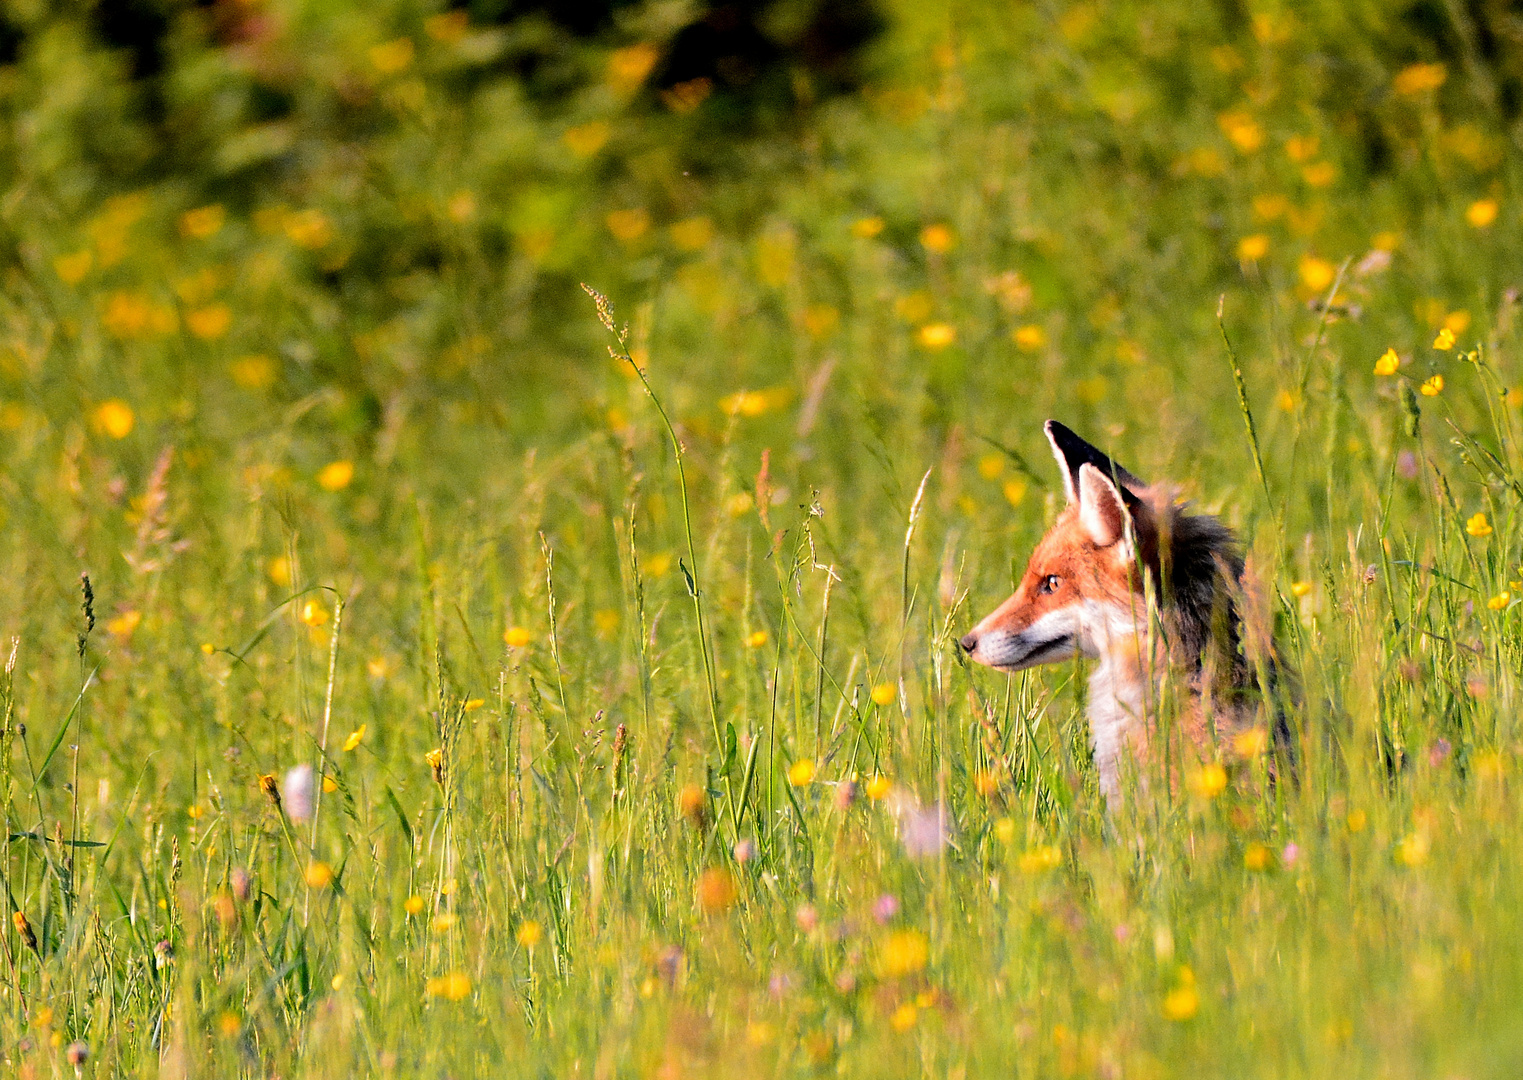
[
  {"x": 296, "y": 793},
  {"x": 924, "y": 832},
  {"x": 885, "y": 908},
  {"x": 806, "y": 917}
]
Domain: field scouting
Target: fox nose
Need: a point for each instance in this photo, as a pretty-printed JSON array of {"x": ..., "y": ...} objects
[{"x": 969, "y": 641}]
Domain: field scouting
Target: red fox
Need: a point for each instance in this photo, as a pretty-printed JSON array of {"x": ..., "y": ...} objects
[{"x": 1128, "y": 577}]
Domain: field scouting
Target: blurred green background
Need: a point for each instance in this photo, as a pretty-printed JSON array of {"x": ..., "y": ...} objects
[{"x": 292, "y": 314}]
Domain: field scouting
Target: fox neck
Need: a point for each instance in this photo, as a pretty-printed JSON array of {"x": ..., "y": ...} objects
[{"x": 1117, "y": 700}]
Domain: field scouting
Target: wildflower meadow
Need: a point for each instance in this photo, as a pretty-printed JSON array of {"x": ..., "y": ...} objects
[{"x": 491, "y": 493}]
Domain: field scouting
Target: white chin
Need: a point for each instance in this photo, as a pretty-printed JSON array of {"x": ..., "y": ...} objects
[{"x": 1016, "y": 655}]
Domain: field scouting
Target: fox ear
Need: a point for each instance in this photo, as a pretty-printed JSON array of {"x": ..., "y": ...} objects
[
  {"x": 1101, "y": 510},
  {"x": 1073, "y": 453}
]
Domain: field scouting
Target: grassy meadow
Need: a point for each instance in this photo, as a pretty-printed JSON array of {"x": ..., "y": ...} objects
[{"x": 474, "y": 680}]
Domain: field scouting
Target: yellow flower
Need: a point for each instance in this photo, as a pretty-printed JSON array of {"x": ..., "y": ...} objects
[
  {"x": 1270, "y": 207},
  {"x": 692, "y": 802},
  {"x": 801, "y": 772},
  {"x": 716, "y": 890},
  {"x": 445, "y": 921},
  {"x": 1478, "y": 526},
  {"x": 1209, "y": 782},
  {"x": 71, "y": 269},
  {"x": 756, "y": 639},
  {"x": 884, "y": 693},
  {"x": 585, "y": 140},
  {"x": 313, "y": 613},
  {"x": 1319, "y": 174},
  {"x": 1242, "y": 130},
  {"x": 356, "y": 737},
  {"x": 1030, "y": 338},
  {"x": 628, "y": 226},
  {"x": 253, "y": 372},
  {"x": 456, "y": 986},
  {"x": 1419, "y": 78},
  {"x": 1445, "y": 339},
  {"x": 1499, "y": 601},
  {"x": 474, "y": 703},
  {"x": 755, "y": 402},
  {"x": 113, "y": 418},
  {"x": 1481, "y": 213},
  {"x": 461, "y": 207},
  {"x": 1387, "y": 363},
  {"x": 1458, "y": 321},
  {"x": 529, "y": 934},
  {"x": 1040, "y": 858},
  {"x": 693, "y": 234},
  {"x": 336, "y": 475},
  {"x": 280, "y": 571},
  {"x": 879, "y": 787},
  {"x": 319, "y": 875},
  {"x": 1258, "y": 858},
  {"x": 1092, "y": 391},
  {"x": 903, "y": 1018},
  {"x": 392, "y": 56},
  {"x": 1253, "y": 248},
  {"x": 1413, "y": 849},
  {"x": 308, "y": 229},
  {"x": 1357, "y": 820},
  {"x": 938, "y": 238},
  {"x": 516, "y": 636},
  {"x": 985, "y": 783},
  {"x": 1004, "y": 830},
  {"x": 867, "y": 228},
  {"x": 1182, "y": 1002},
  {"x": 202, "y": 222},
  {"x": 122, "y": 626},
  {"x": 821, "y": 320},
  {"x": 915, "y": 307},
  {"x": 1301, "y": 148},
  {"x": 905, "y": 952},
  {"x": 936, "y": 335},
  {"x": 991, "y": 465},
  {"x": 1251, "y": 743},
  {"x": 629, "y": 67},
  {"x": 447, "y": 26},
  {"x": 1316, "y": 274},
  {"x": 413, "y": 905},
  {"x": 136, "y": 316},
  {"x": 1433, "y": 387},
  {"x": 1014, "y": 491}
]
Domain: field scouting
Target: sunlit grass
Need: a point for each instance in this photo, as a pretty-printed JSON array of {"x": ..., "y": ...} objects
[{"x": 448, "y": 696}]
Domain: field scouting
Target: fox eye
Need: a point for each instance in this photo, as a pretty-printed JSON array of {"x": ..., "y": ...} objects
[{"x": 1050, "y": 584}]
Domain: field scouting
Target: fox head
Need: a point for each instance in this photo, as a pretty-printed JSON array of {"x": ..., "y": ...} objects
[{"x": 1082, "y": 588}]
